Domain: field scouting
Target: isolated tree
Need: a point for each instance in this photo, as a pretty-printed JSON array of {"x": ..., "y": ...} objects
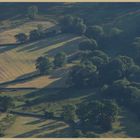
[
  {"x": 68, "y": 113},
  {"x": 60, "y": 59},
  {"x": 44, "y": 65},
  {"x": 32, "y": 12},
  {"x": 34, "y": 35},
  {"x": 88, "y": 44},
  {"x": 21, "y": 37}
]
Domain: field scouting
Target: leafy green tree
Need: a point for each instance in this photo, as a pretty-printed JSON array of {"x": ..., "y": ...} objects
[
  {"x": 34, "y": 35},
  {"x": 60, "y": 59},
  {"x": 70, "y": 24},
  {"x": 44, "y": 65},
  {"x": 82, "y": 75},
  {"x": 114, "y": 70},
  {"x": 21, "y": 37},
  {"x": 101, "y": 54},
  {"x": 97, "y": 113},
  {"x": 6, "y": 103},
  {"x": 95, "y": 31},
  {"x": 32, "y": 12},
  {"x": 134, "y": 50},
  {"x": 134, "y": 73},
  {"x": 68, "y": 113},
  {"x": 114, "y": 32},
  {"x": 121, "y": 91},
  {"x": 88, "y": 44},
  {"x": 127, "y": 62}
]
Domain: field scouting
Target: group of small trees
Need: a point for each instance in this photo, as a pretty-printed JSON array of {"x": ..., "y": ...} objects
[
  {"x": 35, "y": 34},
  {"x": 45, "y": 64},
  {"x": 70, "y": 24},
  {"x": 97, "y": 69},
  {"x": 97, "y": 113},
  {"x": 92, "y": 115}
]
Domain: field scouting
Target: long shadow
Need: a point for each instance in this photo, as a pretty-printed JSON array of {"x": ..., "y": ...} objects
[
  {"x": 39, "y": 130},
  {"x": 56, "y": 94},
  {"x": 61, "y": 74},
  {"x": 36, "y": 45},
  {"x": 68, "y": 48},
  {"x": 63, "y": 133},
  {"x": 21, "y": 79},
  {"x": 7, "y": 48},
  {"x": 35, "y": 122}
]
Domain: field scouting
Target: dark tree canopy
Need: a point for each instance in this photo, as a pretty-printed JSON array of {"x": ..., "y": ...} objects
[
  {"x": 69, "y": 113},
  {"x": 6, "y": 103},
  {"x": 21, "y": 37},
  {"x": 97, "y": 113},
  {"x": 34, "y": 35},
  {"x": 83, "y": 75},
  {"x": 88, "y": 44},
  {"x": 95, "y": 31},
  {"x": 60, "y": 59},
  {"x": 70, "y": 24},
  {"x": 44, "y": 65}
]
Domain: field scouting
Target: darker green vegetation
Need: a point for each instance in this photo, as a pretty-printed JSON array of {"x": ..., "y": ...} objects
[
  {"x": 97, "y": 115},
  {"x": 70, "y": 24},
  {"x": 44, "y": 65},
  {"x": 21, "y": 37},
  {"x": 60, "y": 59},
  {"x": 6, "y": 103}
]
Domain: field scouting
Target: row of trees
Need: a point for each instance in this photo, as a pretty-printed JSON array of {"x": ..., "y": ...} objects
[
  {"x": 35, "y": 34},
  {"x": 45, "y": 64},
  {"x": 72, "y": 24}
]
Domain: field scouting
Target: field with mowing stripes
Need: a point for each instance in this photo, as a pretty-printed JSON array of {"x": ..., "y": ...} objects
[
  {"x": 7, "y": 35},
  {"x": 18, "y": 61}
]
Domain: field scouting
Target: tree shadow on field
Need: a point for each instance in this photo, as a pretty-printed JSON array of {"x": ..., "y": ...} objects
[
  {"x": 40, "y": 44},
  {"x": 7, "y": 48},
  {"x": 69, "y": 48},
  {"x": 38, "y": 131},
  {"x": 21, "y": 79},
  {"x": 63, "y": 133}
]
